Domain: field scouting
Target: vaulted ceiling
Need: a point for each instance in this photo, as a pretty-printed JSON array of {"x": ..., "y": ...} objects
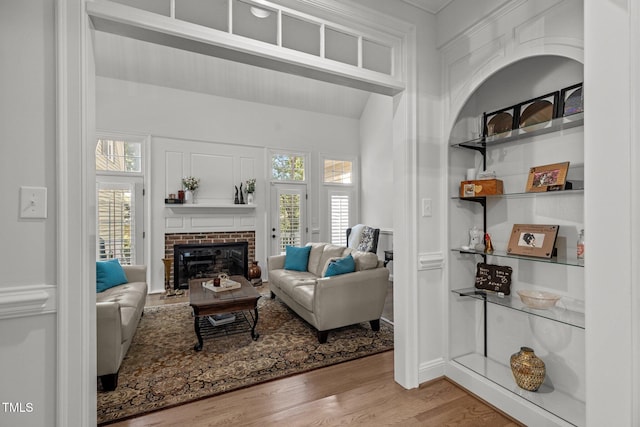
[{"x": 128, "y": 59}]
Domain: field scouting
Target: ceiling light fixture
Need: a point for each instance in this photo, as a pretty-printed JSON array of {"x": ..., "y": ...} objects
[{"x": 259, "y": 13}]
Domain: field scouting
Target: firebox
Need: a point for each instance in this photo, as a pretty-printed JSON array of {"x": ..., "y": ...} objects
[{"x": 207, "y": 260}]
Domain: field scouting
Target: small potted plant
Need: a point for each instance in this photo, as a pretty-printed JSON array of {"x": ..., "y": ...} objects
[
  {"x": 190, "y": 185},
  {"x": 251, "y": 188}
]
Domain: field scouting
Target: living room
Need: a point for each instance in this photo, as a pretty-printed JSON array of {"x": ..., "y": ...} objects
[{"x": 56, "y": 112}]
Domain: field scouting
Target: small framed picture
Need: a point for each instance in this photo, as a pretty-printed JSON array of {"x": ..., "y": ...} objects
[
  {"x": 500, "y": 122},
  {"x": 572, "y": 100},
  {"x": 533, "y": 240},
  {"x": 547, "y": 178},
  {"x": 539, "y": 111}
]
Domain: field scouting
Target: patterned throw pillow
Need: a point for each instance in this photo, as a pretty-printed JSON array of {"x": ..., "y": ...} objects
[{"x": 366, "y": 239}]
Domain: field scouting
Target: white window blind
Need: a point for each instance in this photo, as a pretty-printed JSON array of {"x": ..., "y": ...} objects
[
  {"x": 290, "y": 225},
  {"x": 116, "y": 224},
  {"x": 339, "y": 218}
]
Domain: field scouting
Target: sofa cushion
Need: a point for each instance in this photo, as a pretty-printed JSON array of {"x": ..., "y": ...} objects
[
  {"x": 127, "y": 295},
  {"x": 303, "y": 294},
  {"x": 297, "y": 258},
  {"x": 314, "y": 257},
  {"x": 286, "y": 279},
  {"x": 329, "y": 251},
  {"x": 109, "y": 274},
  {"x": 365, "y": 260},
  {"x": 340, "y": 266}
]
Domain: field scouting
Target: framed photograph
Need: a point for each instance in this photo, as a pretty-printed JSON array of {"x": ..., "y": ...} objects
[
  {"x": 533, "y": 240},
  {"x": 500, "y": 122},
  {"x": 538, "y": 112},
  {"x": 547, "y": 178},
  {"x": 572, "y": 100}
]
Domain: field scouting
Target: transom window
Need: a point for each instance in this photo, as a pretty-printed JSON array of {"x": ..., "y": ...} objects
[
  {"x": 338, "y": 172},
  {"x": 287, "y": 167},
  {"x": 118, "y": 156}
]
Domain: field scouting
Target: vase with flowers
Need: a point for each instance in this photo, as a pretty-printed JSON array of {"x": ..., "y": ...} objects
[
  {"x": 190, "y": 185},
  {"x": 251, "y": 188}
]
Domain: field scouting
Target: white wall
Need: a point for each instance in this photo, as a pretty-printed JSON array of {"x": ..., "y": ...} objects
[
  {"x": 376, "y": 176},
  {"x": 28, "y": 250},
  {"x": 611, "y": 216}
]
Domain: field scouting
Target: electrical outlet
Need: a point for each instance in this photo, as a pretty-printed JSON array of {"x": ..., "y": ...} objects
[
  {"x": 426, "y": 207},
  {"x": 33, "y": 202}
]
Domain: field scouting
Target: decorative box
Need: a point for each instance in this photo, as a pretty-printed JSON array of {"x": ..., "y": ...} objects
[{"x": 480, "y": 187}]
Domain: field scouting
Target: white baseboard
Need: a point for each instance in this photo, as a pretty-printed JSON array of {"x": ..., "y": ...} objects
[{"x": 431, "y": 370}]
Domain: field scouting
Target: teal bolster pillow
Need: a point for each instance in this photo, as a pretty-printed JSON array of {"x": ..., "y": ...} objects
[
  {"x": 297, "y": 258},
  {"x": 341, "y": 266},
  {"x": 109, "y": 274}
]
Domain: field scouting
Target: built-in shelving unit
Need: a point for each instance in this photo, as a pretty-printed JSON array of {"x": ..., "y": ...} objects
[{"x": 494, "y": 365}]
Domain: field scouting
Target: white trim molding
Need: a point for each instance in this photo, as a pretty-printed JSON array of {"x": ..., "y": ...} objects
[
  {"x": 430, "y": 261},
  {"x": 432, "y": 369},
  {"x": 28, "y": 300}
]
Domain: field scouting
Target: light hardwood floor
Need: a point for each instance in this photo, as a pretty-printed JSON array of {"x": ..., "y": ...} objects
[{"x": 361, "y": 392}]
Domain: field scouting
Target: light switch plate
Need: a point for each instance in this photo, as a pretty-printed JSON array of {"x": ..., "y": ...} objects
[
  {"x": 33, "y": 202},
  {"x": 426, "y": 208}
]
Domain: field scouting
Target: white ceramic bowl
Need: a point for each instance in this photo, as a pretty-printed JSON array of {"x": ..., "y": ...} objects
[{"x": 538, "y": 299}]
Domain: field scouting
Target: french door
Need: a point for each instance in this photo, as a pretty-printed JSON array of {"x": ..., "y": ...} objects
[
  {"x": 289, "y": 213},
  {"x": 120, "y": 219}
]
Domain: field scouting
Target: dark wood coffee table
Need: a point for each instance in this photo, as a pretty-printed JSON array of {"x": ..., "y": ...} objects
[{"x": 207, "y": 303}]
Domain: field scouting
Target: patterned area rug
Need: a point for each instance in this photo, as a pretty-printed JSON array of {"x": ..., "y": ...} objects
[{"x": 161, "y": 368}]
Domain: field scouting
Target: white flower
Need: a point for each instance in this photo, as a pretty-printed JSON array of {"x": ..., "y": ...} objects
[
  {"x": 190, "y": 183},
  {"x": 251, "y": 185}
]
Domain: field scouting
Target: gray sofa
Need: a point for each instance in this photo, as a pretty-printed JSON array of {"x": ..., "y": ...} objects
[
  {"x": 332, "y": 302},
  {"x": 118, "y": 311}
]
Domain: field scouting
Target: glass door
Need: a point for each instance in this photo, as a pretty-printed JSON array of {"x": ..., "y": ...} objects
[{"x": 288, "y": 216}]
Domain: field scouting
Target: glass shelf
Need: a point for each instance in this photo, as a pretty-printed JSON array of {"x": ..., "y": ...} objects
[
  {"x": 556, "y": 313},
  {"x": 555, "y": 125},
  {"x": 521, "y": 195},
  {"x": 502, "y": 254},
  {"x": 548, "y": 398}
]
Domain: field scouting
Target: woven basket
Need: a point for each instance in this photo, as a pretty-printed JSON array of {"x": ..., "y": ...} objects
[{"x": 528, "y": 369}]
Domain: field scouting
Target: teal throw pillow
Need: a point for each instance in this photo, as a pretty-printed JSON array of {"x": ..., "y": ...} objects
[
  {"x": 109, "y": 274},
  {"x": 341, "y": 266},
  {"x": 297, "y": 258}
]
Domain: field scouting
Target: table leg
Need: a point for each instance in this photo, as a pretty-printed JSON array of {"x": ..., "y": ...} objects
[
  {"x": 254, "y": 334},
  {"x": 196, "y": 324}
]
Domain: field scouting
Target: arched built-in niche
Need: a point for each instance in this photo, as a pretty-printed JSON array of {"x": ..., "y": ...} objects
[
  {"x": 517, "y": 82},
  {"x": 482, "y": 337}
]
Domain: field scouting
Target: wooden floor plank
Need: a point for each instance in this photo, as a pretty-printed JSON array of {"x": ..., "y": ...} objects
[{"x": 361, "y": 392}]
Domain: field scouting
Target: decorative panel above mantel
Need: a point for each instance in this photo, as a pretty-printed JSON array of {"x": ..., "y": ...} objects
[{"x": 221, "y": 169}]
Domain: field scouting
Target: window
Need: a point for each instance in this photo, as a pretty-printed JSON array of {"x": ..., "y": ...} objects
[
  {"x": 287, "y": 167},
  {"x": 338, "y": 172},
  {"x": 119, "y": 215},
  {"x": 339, "y": 208},
  {"x": 118, "y": 156},
  {"x": 116, "y": 210},
  {"x": 338, "y": 179}
]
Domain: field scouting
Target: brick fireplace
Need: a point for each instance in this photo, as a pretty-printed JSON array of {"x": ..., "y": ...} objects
[{"x": 207, "y": 239}]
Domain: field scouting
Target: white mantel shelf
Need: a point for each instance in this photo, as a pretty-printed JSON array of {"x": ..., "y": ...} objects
[{"x": 202, "y": 206}]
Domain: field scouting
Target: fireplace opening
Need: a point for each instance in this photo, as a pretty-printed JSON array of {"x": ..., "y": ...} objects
[{"x": 207, "y": 260}]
